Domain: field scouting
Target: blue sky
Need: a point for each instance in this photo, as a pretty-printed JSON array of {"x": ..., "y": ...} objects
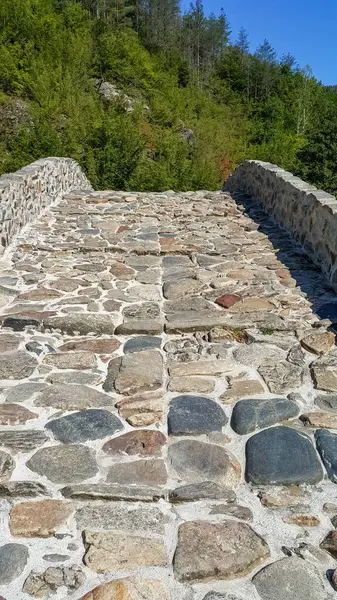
[{"x": 305, "y": 28}]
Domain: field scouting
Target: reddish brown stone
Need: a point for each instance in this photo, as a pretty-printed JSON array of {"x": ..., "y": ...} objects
[
  {"x": 228, "y": 300},
  {"x": 14, "y": 414},
  {"x": 122, "y": 272},
  {"x": 283, "y": 273},
  {"x": 123, "y": 228},
  {"x": 99, "y": 346},
  {"x": 143, "y": 442}
]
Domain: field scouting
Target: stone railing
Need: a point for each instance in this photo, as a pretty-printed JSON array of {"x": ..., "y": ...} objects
[
  {"x": 308, "y": 214},
  {"x": 24, "y": 194}
]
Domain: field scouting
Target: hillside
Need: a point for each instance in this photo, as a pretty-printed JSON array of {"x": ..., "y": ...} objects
[{"x": 145, "y": 97}]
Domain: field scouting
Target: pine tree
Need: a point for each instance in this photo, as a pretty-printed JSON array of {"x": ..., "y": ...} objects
[{"x": 242, "y": 41}]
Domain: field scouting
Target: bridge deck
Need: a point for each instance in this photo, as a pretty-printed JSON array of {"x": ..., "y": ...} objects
[{"x": 167, "y": 401}]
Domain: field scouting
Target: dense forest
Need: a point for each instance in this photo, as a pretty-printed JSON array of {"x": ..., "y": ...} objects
[{"x": 146, "y": 97}]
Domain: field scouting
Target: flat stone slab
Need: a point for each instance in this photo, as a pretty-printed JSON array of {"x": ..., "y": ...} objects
[
  {"x": 23, "y": 391},
  {"x": 195, "y": 462},
  {"x": 139, "y": 472},
  {"x": 207, "y": 490},
  {"x": 208, "y": 551},
  {"x": 113, "y": 492},
  {"x": 135, "y": 373},
  {"x": 22, "y": 489},
  {"x": 290, "y": 578},
  {"x": 64, "y": 464},
  {"x": 39, "y": 519},
  {"x": 85, "y": 425},
  {"x": 72, "y": 397},
  {"x": 195, "y": 415},
  {"x": 113, "y": 552},
  {"x": 75, "y": 377},
  {"x": 255, "y": 354},
  {"x": 282, "y": 456},
  {"x": 199, "y": 367},
  {"x": 98, "y": 345},
  {"x": 79, "y": 360},
  {"x": 153, "y": 327},
  {"x": 242, "y": 388},
  {"x": 24, "y": 440},
  {"x": 282, "y": 376},
  {"x": 326, "y": 443},
  {"x": 13, "y": 559},
  {"x": 14, "y": 414},
  {"x": 121, "y": 517},
  {"x": 249, "y": 415},
  {"x": 17, "y": 365},
  {"x": 82, "y": 324}
]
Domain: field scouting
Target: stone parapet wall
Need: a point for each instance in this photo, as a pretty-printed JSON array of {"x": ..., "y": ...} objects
[
  {"x": 24, "y": 194},
  {"x": 308, "y": 214}
]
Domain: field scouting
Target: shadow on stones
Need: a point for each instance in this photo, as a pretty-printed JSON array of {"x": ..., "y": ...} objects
[{"x": 308, "y": 276}]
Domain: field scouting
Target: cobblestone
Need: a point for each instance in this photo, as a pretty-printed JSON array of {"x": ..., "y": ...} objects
[{"x": 167, "y": 396}]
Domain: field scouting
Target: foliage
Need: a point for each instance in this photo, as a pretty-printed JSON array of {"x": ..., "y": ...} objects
[{"x": 200, "y": 104}]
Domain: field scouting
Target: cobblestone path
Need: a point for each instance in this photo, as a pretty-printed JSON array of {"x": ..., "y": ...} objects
[{"x": 168, "y": 405}]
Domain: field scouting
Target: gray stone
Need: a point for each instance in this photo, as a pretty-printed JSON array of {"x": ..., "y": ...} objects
[
  {"x": 217, "y": 551},
  {"x": 13, "y": 559},
  {"x": 121, "y": 517},
  {"x": 173, "y": 290},
  {"x": 202, "y": 491},
  {"x": 327, "y": 402},
  {"x": 147, "y": 311},
  {"x": 139, "y": 472},
  {"x": 7, "y": 465},
  {"x": 82, "y": 324},
  {"x": 114, "y": 492},
  {"x": 24, "y": 440},
  {"x": 281, "y": 456},
  {"x": 17, "y": 365},
  {"x": 55, "y": 557},
  {"x": 72, "y": 397},
  {"x": 23, "y": 391},
  {"x": 282, "y": 376},
  {"x": 138, "y": 326},
  {"x": 48, "y": 582},
  {"x": 9, "y": 342},
  {"x": 195, "y": 462},
  {"x": 254, "y": 355},
  {"x": 234, "y": 510},
  {"x": 326, "y": 443},
  {"x": 74, "y": 378},
  {"x": 135, "y": 373},
  {"x": 194, "y": 415},
  {"x": 249, "y": 415},
  {"x": 64, "y": 464},
  {"x": 85, "y": 425},
  {"x": 296, "y": 356},
  {"x": 22, "y": 489},
  {"x": 141, "y": 343},
  {"x": 290, "y": 578}
]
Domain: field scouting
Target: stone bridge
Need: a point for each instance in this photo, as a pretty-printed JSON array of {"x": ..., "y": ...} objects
[{"x": 168, "y": 372}]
